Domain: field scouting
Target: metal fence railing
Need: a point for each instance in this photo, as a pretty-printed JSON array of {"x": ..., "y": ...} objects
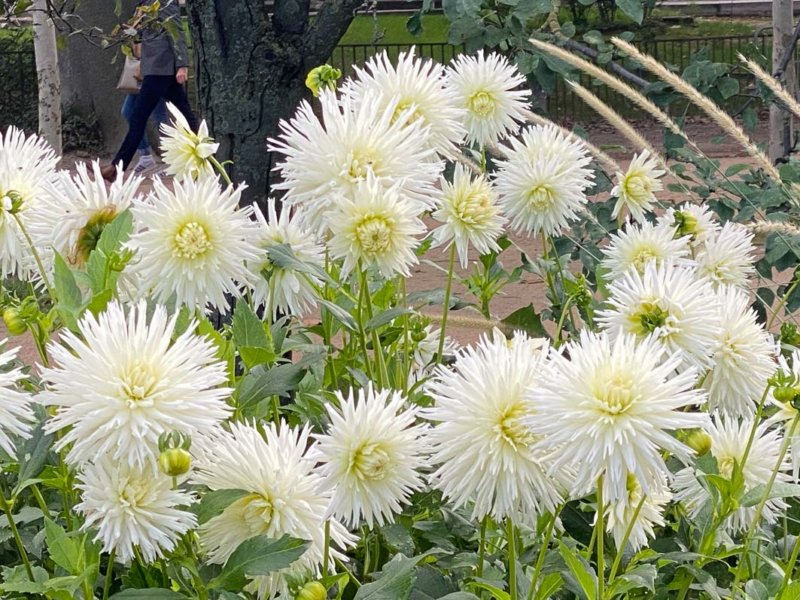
[{"x": 18, "y": 73}]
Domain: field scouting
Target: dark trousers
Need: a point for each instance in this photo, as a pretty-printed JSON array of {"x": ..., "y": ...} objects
[{"x": 154, "y": 88}]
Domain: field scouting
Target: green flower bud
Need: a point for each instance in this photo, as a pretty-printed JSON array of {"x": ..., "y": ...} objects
[
  {"x": 14, "y": 321},
  {"x": 174, "y": 462},
  {"x": 313, "y": 590},
  {"x": 699, "y": 441},
  {"x": 322, "y": 77},
  {"x": 784, "y": 394}
]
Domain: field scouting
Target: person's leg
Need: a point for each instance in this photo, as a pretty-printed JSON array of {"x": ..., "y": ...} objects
[
  {"x": 160, "y": 114},
  {"x": 149, "y": 94},
  {"x": 128, "y": 106},
  {"x": 177, "y": 95}
]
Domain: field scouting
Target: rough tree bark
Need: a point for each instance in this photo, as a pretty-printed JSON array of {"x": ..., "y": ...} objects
[
  {"x": 251, "y": 69},
  {"x": 779, "y": 118},
  {"x": 46, "y": 52}
]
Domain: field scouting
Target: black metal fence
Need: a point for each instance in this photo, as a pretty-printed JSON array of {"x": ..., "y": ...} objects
[{"x": 18, "y": 73}]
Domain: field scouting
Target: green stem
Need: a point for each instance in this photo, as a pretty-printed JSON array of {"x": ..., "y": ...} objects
[
  {"x": 621, "y": 548},
  {"x": 548, "y": 536},
  {"x": 446, "y": 309},
  {"x": 600, "y": 528},
  {"x": 406, "y": 366},
  {"x": 781, "y": 302},
  {"x": 17, "y": 539},
  {"x": 326, "y": 548},
  {"x": 40, "y": 500},
  {"x": 380, "y": 363},
  {"x": 787, "y": 574},
  {"x": 760, "y": 509},
  {"x": 512, "y": 559},
  {"x": 564, "y": 309},
  {"x": 36, "y": 257},
  {"x": 362, "y": 334},
  {"x": 220, "y": 169},
  {"x": 109, "y": 573},
  {"x": 482, "y": 546}
]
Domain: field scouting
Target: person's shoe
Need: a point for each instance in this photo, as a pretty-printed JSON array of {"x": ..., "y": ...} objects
[
  {"x": 146, "y": 161},
  {"x": 109, "y": 173}
]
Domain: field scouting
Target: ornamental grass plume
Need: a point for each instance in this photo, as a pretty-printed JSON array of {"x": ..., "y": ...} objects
[
  {"x": 283, "y": 495},
  {"x": 122, "y": 382},
  {"x": 607, "y": 408},
  {"x": 371, "y": 456}
]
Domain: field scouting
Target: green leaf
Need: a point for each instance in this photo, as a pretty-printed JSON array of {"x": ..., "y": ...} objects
[
  {"x": 258, "y": 556},
  {"x": 792, "y": 592},
  {"x": 527, "y": 319},
  {"x": 283, "y": 257},
  {"x": 495, "y": 591},
  {"x": 249, "y": 336},
  {"x": 550, "y": 584},
  {"x": 66, "y": 288},
  {"x": 460, "y": 596},
  {"x": 641, "y": 576},
  {"x": 386, "y": 316},
  {"x": 16, "y": 580},
  {"x": 778, "y": 490},
  {"x": 66, "y": 552},
  {"x": 148, "y": 594},
  {"x": 580, "y": 569},
  {"x": 340, "y": 314},
  {"x": 116, "y": 233},
  {"x": 728, "y": 87},
  {"x": 756, "y": 590},
  {"x": 32, "y": 455},
  {"x": 213, "y": 503},
  {"x": 632, "y": 8},
  {"x": 263, "y": 382},
  {"x": 395, "y": 581}
]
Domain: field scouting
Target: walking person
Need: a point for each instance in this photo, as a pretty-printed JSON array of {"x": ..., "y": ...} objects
[
  {"x": 164, "y": 69},
  {"x": 146, "y": 159}
]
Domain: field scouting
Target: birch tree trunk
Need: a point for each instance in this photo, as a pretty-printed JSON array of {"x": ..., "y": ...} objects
[
  {"x": 46, "y": 51},
  {"x": 779, "y": 118}
]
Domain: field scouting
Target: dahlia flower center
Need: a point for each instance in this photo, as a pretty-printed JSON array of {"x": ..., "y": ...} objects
[
  {"x": 138, "y": 384},
  {"x": 256, "y": 512},
  {"x": 90, "y": 233},
  {"x": 481, "y": 103},
  {"x": 542, "y": 197},
  {"x": 472, "y": 208},
  {"x": 374, "y": 235},
  {"x": 511, "y": 429},
  {"x": 725, "y": 466},
  {"x": 370, "y": 462},
  {"x": 360, "y": 163},
  {"x": 651, "y": 318},
  {"x": 192, "y": 241},
  {"x": 133, "y": 495},
  {"x": 638, "y": 187},
  {"x": 10, "y": 202},
  {"x": 642, "y": 257},
  {"x": 615, "y": 395},
  {"x": 407, "y": 106},
  {"x": 685, "y": 224}
]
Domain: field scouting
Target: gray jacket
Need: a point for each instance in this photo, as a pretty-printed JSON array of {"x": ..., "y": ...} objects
[{"x": 161, "y": 55}]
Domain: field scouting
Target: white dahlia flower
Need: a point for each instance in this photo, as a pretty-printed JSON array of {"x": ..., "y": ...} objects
[
  {"x": 727, "y": 256},
  {"x": 185, "y": 152},
  {"x": 333, "y": 154},
  {"x": 15, "y": 406},
  {"x": 123, "y": 383},
  {"x": 743, "y": 357},
  {"x": 670, "y": 303},
  {"x": 638, "y": 245},
  {"x": 696, "y": 221},
  {"x": 482, "y": 448},
  {"x": 543, "y": 181},
  {"x": 493, "y": 93},
  {"x": 635, "y": 190},
  {"x": 620, "y": 513},
  {"x": 786, "y": 413},
  {"x": 133, "y": 507},
  {"x": 193, "y": 242},
  {"x": 469, "y": 214},
  {"x": 370, "y": 456},
  {"x": 285, "y": 496},
  {"x": 415, "y": 86},
  {"x": 609, "y": 410},
  {"x": 283, "y": 289}
]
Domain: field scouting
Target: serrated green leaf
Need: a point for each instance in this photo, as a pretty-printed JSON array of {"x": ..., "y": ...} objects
[
  {"x": 385, "y": 317},
  {"x": 258, "y": 556},
  {"x": 66, "y": 552},
  {"x": 213, "y": 503},
  {"x": 528, "y": 320},
  {"x": 549, "y": 585},
  {"x": 778, "y": 490},
  {"x": 580, "y": 569},
  {"x": 395, "y": 580},
  {"x": 116, "y": 233}
]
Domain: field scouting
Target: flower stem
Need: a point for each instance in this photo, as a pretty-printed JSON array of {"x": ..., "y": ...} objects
[
  {"x": 512, "y": 560},
  {"x": 787, "y": 574},
  {"x": 548, "y": 536},
  {"x": 482, "y": 546},
  {"x": 760, "y": 509},
  {"x": 782, "y": 301},
  {"x": 380, "y": 364},
  {"x": 600, "y": 534},
  {"x": 446, "y": 309},
  {"x": 326, "y": 548},
  {"x": 220, "y": 169},
  {"x": 17, "y": 539},
  {"x": 109, "y": 573},
  {"x": 621, "y": 548},
  {"x": 36, "y": 257}
]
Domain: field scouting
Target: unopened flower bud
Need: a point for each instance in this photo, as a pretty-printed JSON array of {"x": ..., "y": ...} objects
[
  {"x": 321, "y": 78},
  {"x": 14, "y": 321},
  {"x": 313, "y": 590},
  {"x": 699, "y": 441},
  {"x": 784, "y": 394},
  {"x": 174, "y": 462}
]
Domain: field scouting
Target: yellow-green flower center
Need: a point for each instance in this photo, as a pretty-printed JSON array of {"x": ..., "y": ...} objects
[
  {"x": 542, "y": 197},
  {"x": 615, "y": 395},
  {"x": 133, "y": 494},
  {"x": 191, "y": 241},
  {"x": 370, "y": 462},
  {"x": 638, "y": 188},
  {"x": 510, "y": 428},
  {"x": 481, "y": 103},
  {"x": 405, "y": 106},
  {"x": 360, "y": 163},
  {"x": 255, "y": 511},
  {"x": 725, "y": 465},
  {"x": 651, "y": 317},
  {"x": 642, "y": 257},
  {"x": 473, "y": 207},
  {"x": 138, "y": 384},
  {"x": 374, "y": 235}
]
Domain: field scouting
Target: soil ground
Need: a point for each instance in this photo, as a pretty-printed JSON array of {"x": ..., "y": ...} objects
[{"x": 430, "y": 273}]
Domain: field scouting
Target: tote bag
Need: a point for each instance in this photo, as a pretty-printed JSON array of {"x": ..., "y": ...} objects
[{"x": 127, "y": 82}]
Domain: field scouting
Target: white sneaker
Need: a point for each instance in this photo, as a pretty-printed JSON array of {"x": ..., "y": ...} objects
[{"x": 146, "y": 161}]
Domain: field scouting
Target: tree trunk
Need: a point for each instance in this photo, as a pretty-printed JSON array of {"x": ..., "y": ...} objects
[
  {"x": 49, "y": 79},
  {"x": 779, "y": 118},
  {"x": 251, "y": 69},
  {"x": 89, "y": 73}
]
